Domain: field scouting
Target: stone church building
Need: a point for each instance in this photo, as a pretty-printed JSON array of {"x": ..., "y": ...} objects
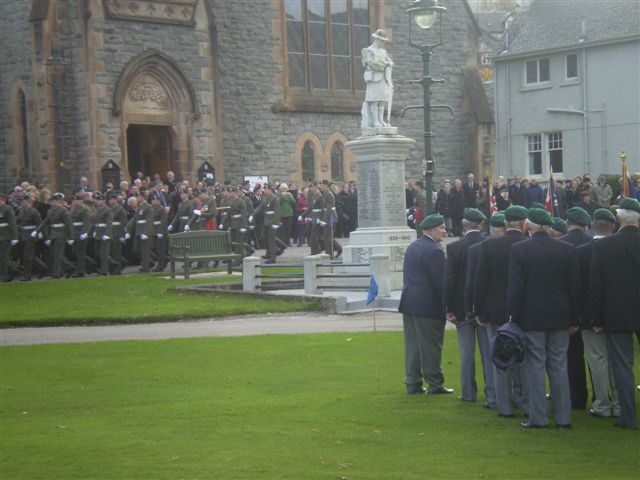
[{"x": 106, "y": 88}]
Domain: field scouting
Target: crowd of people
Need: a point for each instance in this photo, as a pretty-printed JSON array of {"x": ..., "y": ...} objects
[
  {"x": 451, "y": 200},
  {"x": 537, "y": 302},
  {"x": 128, "y": 224}
]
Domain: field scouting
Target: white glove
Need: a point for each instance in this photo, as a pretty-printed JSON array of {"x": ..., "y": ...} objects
[
  {"x": 300, "y": 218},
  {"x": 14, "y": 243},
  {"x": 197, "y": 212},
  {"x": 250, "y": 218},
  {"x": 170, "y": 228},
  {"x": 143, "y": 236},
  {"x": 34, "y": 234},
  {"x": 105, "y": 237},
  {"x": 308, "y": 220},
  {"x": 47, "y": 242},
  {"x": 123, "y": 239},
  {"x": 221, "y": 227},
  {"x": 83, "y": 236},
  {"x": 127, "y": 236},
  {"x": 40, "y": 235},
  {"x": 70, "y": 242},
  {"x": 407, "y": 211},
  {"x": 251, "y": 227},
  {"x": 318, "y": 221},
  {"x": 186, "y": 228},
  {"x": 275, "y": 227},
  {"x": 160, "y": 236},
  {"x": 321, "y": 223},
  {"x": 243, "y": 230},
  {"x": 94, "y": 235},
  {"x": 410, "y": 217}
]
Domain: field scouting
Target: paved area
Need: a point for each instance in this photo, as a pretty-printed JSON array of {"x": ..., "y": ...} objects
[{"x": 311, "y": 322}]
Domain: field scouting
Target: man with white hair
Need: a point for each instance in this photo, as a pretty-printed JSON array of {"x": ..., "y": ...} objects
[{"x": 614, "y": 291}]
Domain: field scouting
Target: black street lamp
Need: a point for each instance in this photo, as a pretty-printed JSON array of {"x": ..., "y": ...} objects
[{"x": 426, "y": 13}]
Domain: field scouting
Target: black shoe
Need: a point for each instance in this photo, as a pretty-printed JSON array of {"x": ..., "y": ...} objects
[
  {"x": 488, "y": 406},
  {"x": 416, "y": 390},
  {"x": 25, "y": 279},
  {"x": 619, "y": 425},
  {"x": 527, "y": 425},
  {"x": 504, "y": 415},
  {"x": 594, "y": 413},
  {"x": 78, "y": 275},
  {"x": 462, "y": 399},
  {"x": 270, "y": 260},
  {"x": 439, "y": 391},
  {"x": 565, "y": 426}
]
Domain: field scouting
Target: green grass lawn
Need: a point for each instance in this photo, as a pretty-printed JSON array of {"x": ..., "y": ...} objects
[
  {"x": 133, "y": 298},
  {"x": 271, "y": 407}
]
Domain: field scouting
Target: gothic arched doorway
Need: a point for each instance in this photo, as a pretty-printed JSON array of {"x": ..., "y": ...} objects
[{"x": 149, "y": 150}]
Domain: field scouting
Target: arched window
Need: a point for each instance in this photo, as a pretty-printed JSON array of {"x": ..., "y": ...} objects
[
  {"x": 337, "y": 162},
  {"x": 308, "y": 167},
  {"x": 24, "y": 133}
]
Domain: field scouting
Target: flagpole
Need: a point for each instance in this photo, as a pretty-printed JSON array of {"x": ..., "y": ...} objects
[{"x": 625, "y": 174}]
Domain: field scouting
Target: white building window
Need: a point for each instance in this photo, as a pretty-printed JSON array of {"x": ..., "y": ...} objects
[
  {"x": 554, "y": 147},
  {"x": 544, "y": 154},
  {"x": 537, "y": 71},
  {"x": 534, "y": 154},
  {"x": 571, "y": 66}
]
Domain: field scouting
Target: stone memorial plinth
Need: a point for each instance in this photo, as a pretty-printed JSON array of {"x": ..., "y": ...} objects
[{"x": 382, "y": 222}]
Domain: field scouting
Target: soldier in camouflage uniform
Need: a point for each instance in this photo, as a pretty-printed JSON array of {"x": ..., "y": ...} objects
[
  {"x": 420, "y": 206},
  {"x": 28, "y": 222},
  {"x": 57, "y": 230},
  {"x": 141, "y": 228},
  {"x": 117, "y": 231},
  {"x": 8, "y": 236},
  {"x": 271, "y": 208},
  {"x": 312, "y": 214},
  {"x": 328, "y": 219},
  {"x": 238, "y": 222},
  {"x": 180, "y": 222},
  {"x": 102, "y": 232},
  {"x": 160, "y": 232},
  {"x": 81, "y": 221}
]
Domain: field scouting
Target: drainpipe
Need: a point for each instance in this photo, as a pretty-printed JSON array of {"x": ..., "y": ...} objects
[
  {"x": 603, "y": 130},
  {"x": 509, "y": 157},
  {"x": 585, "y": 108}
]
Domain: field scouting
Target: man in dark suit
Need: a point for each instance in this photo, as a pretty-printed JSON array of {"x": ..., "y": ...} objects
[
  {"x": 496, "y": 229},
  {"x": 614, "y": 291},
  {"x": 490, "y": 299},
  {"x": 455, "y": 277},
  {"x": 542, "y": 297},
  {"x": 578, "y": 221},
  {"x": 605, "y": 402},
  {"x": 516, "y": 191},
  {"x": 421, "y": 308},
  {"x": 470, "y": 189}
]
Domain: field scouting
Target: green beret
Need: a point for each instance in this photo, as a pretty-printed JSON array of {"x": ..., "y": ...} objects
[
  {"x": 98, "y": 195},
  {"x": 209, "y": 181},
  {"x": 420, "y": 183},
  {"x": 540, "y": 217},
  {"x": 497, "y": 220},
  {"x": 57, "y": 196},
  {"x": 152, "y": 197},
  {"x": 630, "y": 204},
  {"x": 538, "y": 205},
  {"x": 579, "y": 215},
  {"x": 27, "y": 196},
  {"x": 473, "y": 215},
  {"x": 78, "y": 196},
  {"x": 113, "y": 194},
  {"x": 515, "y": 213},
  {"x": 432, "y": 221},
  {"x": 559, "y": 225},
  {"x": 227, "y": 182},
  {"x": 604, "y": 214}
]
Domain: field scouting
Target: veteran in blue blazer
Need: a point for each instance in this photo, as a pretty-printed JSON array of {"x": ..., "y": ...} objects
[{"x": 422, "y": 310}]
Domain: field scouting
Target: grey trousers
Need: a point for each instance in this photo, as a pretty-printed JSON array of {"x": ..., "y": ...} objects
[
  {"x": 547, "y": 349},
  {"x": 510, "y": 386},
  {"x": 423, "y": 338},
  {"x": 467, "y": 334},
  {"x": 621, "y": 353},
  {"x": 606, "y": 397}
]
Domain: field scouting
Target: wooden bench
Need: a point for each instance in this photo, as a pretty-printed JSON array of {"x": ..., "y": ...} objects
[{"x": 200, "y": 246}]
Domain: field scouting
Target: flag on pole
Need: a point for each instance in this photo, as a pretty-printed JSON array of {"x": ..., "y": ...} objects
[
  {"x": 373, "y": 290},
  {"x": 625, "y": 175},
  {"x": 551, "y": 202}
]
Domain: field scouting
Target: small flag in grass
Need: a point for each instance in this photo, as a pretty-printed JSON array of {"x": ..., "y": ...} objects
[{"x": 373, "y": 290}]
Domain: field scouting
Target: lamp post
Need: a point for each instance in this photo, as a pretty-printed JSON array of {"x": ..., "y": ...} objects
[
  {"x": 55, "y": 69},
  {"x": 426, "y": 13}
]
